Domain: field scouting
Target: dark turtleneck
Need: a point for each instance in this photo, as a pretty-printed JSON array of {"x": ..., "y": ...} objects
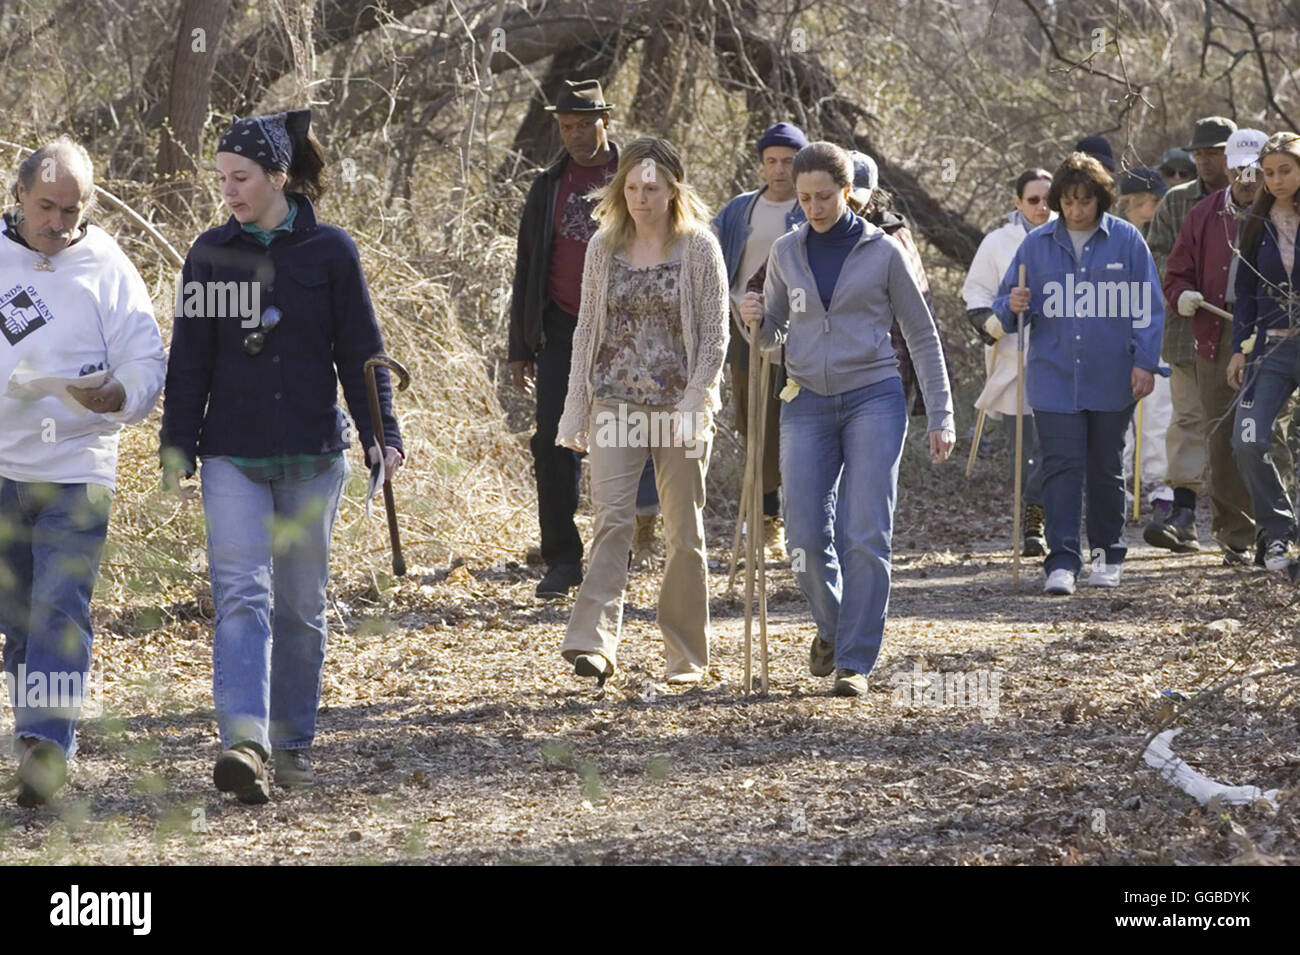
[{"x": 828, "y": 250}]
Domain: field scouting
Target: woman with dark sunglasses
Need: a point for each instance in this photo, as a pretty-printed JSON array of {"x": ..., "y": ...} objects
[
  {"x": 998, "y": 399},
  {"x": 272, "y": 316}
]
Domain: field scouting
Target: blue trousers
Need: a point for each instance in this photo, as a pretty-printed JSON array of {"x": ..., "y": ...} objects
[
  {"x": 839, "y": 467},
  {"x": 1276, "y": 374},
  {"x": 1083, "y": 450},
  {"x": 268, "y": 559},
  {"x": 51, "y": 539}
]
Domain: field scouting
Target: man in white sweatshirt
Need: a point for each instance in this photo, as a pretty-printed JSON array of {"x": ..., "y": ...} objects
[{"x": 71, "y": 307}]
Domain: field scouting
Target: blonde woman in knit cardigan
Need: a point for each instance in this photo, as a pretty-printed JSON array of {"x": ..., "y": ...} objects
[{"x": 647, "y": 364}]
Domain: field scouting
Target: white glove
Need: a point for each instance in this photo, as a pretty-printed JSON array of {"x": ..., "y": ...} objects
[
  {"x": 1189, "y": 302},
  {"x": 993, "y": 328}
]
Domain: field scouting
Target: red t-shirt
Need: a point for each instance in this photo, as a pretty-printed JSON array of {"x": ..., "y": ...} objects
[{"x": 572, "y": 230}]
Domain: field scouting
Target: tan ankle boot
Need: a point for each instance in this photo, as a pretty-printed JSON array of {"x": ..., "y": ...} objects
[
  {"x": 774, "y": 538},
  {"x": 643, "y": 544}
]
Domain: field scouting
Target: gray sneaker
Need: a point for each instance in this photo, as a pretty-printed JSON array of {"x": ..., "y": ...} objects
[
  {"x": 293, "y": 768},
  {"x": 821, "y": 657}
]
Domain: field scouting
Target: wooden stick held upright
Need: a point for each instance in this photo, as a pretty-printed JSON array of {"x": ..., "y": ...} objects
[
  {"x": 1137, "y": 465},
  {"x": 747, "y": 508},
  {"x": 979, "y": 424},
  {"x": 760, "y": 551},
  {"x": 1020, "y": 438}
]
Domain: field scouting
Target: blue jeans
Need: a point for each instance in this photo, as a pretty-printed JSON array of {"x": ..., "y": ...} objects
[
  {"x": 839, "y": 467},
  {"x": 1275, "y": 375},
  {"x": 1032, "y": 473},
  {"x": 264, "y": 540},
  {"x": 51, "y": 539},
  {"x": 1083, "y": 449}
]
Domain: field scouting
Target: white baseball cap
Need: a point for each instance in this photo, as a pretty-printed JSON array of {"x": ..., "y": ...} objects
[{"x": 1243, "y": 147}]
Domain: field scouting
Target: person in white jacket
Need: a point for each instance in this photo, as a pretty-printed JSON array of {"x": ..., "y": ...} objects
[
  {"x": 998, "y": 399},
  {"x": 80, "y": 356}
]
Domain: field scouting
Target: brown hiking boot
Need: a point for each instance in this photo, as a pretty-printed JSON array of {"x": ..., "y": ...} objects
[
  {"x": 242, "y": 770},
  {"x": 41, "y": 773},
  {"x": 1035, "y": 540}
]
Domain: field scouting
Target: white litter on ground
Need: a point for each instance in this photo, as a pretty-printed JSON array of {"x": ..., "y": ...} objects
[{"x": 1160, "y": 757}]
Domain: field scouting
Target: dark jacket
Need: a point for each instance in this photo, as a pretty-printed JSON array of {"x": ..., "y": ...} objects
[
  {"x": 1201, "y": 259},
  {"x": 1262, "y": 300},
  {"x": 219, "y": 400},
  {"x": 533, "y": 261}
]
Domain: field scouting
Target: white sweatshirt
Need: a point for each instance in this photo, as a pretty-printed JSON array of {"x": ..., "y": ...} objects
[
  {"x": 992, "y": 259},
  {"x": 93, "y": 309}
]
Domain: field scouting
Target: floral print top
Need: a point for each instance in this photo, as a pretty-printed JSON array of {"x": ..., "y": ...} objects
[{"x": 642, "y": 357}]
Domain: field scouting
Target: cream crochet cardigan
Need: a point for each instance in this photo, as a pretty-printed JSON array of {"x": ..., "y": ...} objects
[{"x": 704, "y": 311}]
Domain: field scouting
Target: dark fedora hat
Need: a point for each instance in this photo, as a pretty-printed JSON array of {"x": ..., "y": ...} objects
[
  {"x": 580, "y": 96},
  {"x": 1211, "y": 132}
]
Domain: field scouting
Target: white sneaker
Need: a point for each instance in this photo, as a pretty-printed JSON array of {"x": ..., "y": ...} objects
[
  {"x": 1277, "y": 556},
  {"x": 1059, "y": 582},
  {"x": 1104, "y": 574}
]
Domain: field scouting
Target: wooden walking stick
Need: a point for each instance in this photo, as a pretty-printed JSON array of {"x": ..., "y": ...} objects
[
  {"x": 740, "y": 514},
  {"x": 1020, "y": 438},
  {"x": 975, "y": 442},
  {"x": 377, "y": 425},
  {"x": 756, "y": 494},
  {"x": 979, "y": 424},
  {"x": 747, "y": 503},
  {"x": 1137, "y": 464}
]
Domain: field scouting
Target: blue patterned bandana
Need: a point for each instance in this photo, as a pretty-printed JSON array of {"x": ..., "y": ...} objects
[{"x": 270, "y": 141}]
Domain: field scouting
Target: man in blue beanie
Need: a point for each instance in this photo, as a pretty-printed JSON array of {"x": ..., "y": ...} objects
[
  {"x": 1098, "y": 147},
  {"x": 746, "y": 228}
]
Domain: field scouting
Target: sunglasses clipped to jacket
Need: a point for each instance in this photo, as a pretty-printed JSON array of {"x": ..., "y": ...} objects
[{"x": 255, "y": 340}]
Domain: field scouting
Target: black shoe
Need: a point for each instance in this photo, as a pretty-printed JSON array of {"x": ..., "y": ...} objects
[
  {"x": 559, "y": 579},
  {"x": 1035, "y": 543},
  {"x": 593, "y": 664},
  {"x": 850, "y": 683},
  {"x": 1177, "y": 534},
  {"x": 41, "y": 773},
  {"x": 821, "y": 657},
  {"x": 1236, "y": 558},
  {"x": 242, "y": 770},
  {"x": 292, "y": 767}
]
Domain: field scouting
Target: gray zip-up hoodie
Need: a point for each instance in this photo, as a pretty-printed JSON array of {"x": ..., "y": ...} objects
[{"x": 847, "y": 347}]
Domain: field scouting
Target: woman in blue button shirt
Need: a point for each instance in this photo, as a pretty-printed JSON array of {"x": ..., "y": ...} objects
[
  {"x": 253, "y": 398},
  {"x": 1093, "y": 318}
]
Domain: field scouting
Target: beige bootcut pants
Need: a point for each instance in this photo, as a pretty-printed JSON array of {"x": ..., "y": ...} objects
[{"x": 616, "y": 457}]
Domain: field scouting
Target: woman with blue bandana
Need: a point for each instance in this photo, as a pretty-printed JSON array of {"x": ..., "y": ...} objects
[{"x": 273, "y": 315}]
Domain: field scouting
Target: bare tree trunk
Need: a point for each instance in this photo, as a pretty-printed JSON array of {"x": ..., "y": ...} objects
[
  {"x": 197, "y": 38},
  {"x": 659, "y": 88}
]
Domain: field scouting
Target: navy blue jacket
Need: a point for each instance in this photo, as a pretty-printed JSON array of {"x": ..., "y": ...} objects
[
  {"x": 1261, "y": 300},
  {"x": 219, "y": 400}
]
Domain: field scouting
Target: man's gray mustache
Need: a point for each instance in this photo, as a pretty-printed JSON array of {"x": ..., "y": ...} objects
[{"x": 51, "y": 234}]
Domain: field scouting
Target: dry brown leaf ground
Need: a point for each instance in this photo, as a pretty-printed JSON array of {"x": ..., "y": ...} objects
[{"x": 451, "y": 732}]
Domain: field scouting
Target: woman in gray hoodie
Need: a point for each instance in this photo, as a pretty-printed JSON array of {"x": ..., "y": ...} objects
[{"x": 834, "y": 287}]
